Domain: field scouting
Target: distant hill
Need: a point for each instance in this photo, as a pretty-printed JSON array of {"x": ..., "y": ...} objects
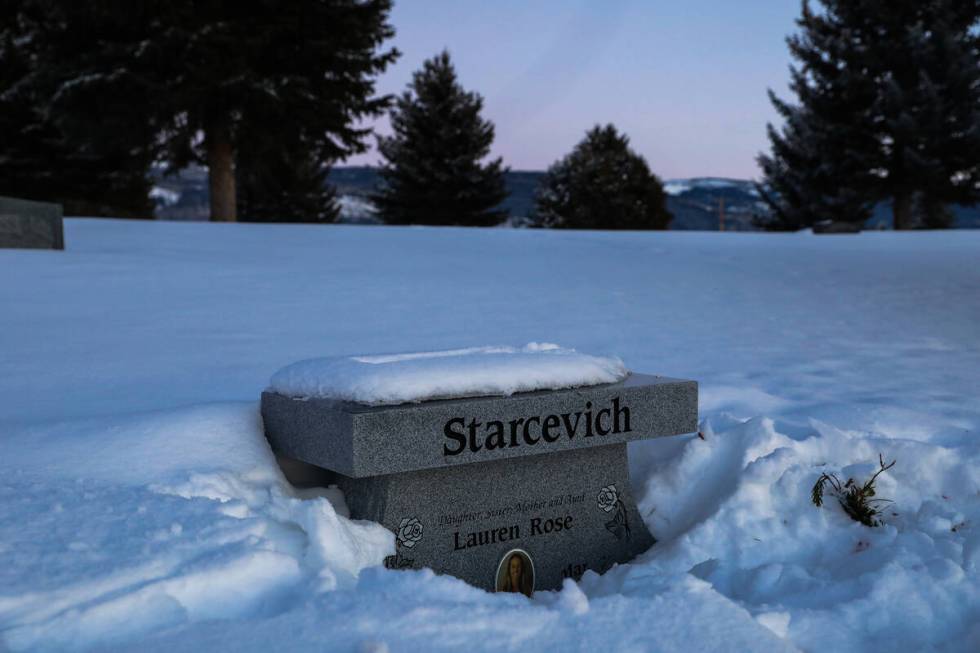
[
  {"x": 695, "y": 203},
  {"x": 698, "y": 203},
  {"x": 708, "y": 203}
]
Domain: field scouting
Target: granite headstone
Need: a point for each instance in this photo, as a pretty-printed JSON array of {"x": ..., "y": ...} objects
[
  {"x": 508, "y": 493},
  {"x": 30, "y": 225}
]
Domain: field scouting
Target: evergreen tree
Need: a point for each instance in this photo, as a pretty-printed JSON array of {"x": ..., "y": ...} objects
[
  {"x": 819, "y": 166},
  {"x": 888, "y": 99},
  {"x": 433, "y": 172},
  {"x": 303, "y": 70},
  {"x": 284, "y": 181},
  {"x": 75, "y": 129},
  {"x": 601, "y": 184},
  {"x": 275, "y": 188},
  {"x": 929, "y": 107},
  {"x": 790, "y": 189},
  {"x": 94, "y": 92},
  {"x": 28, "y": 139}
]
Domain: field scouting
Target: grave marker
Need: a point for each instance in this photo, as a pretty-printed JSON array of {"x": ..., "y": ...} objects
[
  {"x": 510, "y": 493},
  {"x": 30, "y": 225}
]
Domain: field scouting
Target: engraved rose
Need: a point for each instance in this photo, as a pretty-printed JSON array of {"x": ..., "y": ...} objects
[
  {"x": 409, "y": 532},
  {"x": 607, "y": 498}
]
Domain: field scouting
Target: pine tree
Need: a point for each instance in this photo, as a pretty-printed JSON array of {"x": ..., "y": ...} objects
[
  {"x": 789, "y": 189},
  {"x": 433, "y": 172},
  {"x": 107, "y": 87},
  {"x": 283, "y": 184},
  {"x": 303, "y": 70},
  {"x": 285, "y": 190},
  {"x": 601, "y": 184},
  {"x": 819, "y": 168},
  {"x": 76, "y": 130},
  {"x": 888, "y": 109},
  {"x": 28, "y": 139},
  {"x": 929, "y": 107}
]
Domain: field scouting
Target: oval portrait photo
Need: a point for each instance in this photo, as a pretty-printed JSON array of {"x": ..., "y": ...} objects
[{"x": 515, "y": 573}]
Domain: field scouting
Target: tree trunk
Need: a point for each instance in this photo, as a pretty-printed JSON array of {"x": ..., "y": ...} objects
[
  {"x": 902, "y": 210},
  {"x": 221, "y": 171}
]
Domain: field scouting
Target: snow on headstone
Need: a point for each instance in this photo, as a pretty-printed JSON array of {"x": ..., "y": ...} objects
[{"x": 477, "y": 371}]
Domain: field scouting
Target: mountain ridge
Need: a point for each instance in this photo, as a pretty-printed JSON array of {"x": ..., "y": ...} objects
[{"x": 697, "y": 203}]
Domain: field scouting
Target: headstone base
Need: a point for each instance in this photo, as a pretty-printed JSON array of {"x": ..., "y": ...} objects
[{"x": 563, "y": 513}]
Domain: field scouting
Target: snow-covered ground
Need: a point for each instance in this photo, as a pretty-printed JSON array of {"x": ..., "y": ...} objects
[{"x": 140, "y": 507}]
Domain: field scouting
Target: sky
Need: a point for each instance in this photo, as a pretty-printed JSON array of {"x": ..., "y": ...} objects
[{"x": 686, "y": 80}]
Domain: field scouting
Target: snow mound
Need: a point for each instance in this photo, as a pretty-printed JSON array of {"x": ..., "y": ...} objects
[
  {"x": 732, "y": 507},
  {"x": 111, "y": 528},
  {"x": 472, "y": 372}
]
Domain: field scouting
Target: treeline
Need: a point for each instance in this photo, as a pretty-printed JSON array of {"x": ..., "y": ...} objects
[
  {"x": 887, "y": 109},
  {"x": 436, "y": 172},
  {"x": 268, "y": 96}
]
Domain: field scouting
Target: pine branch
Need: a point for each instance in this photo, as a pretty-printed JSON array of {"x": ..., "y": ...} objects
[{"x": 857, "y": 501}]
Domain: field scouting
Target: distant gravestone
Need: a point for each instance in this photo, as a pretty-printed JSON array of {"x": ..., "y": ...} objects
[
  {"x": 508, "y": 493},
  {"x": 835, "y": 227},
  {"x": 30, "y": 225}
]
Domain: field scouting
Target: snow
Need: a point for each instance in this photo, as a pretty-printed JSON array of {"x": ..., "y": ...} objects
[
  {"x": 141, "y": 507},
  {"x": 679, "y": 186},
  {"x": 356, "y": 209},
  {"x": 164, "y": 196},
  {"x": 469, "y": 372},
  {"x": 676, "y": 187}
]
